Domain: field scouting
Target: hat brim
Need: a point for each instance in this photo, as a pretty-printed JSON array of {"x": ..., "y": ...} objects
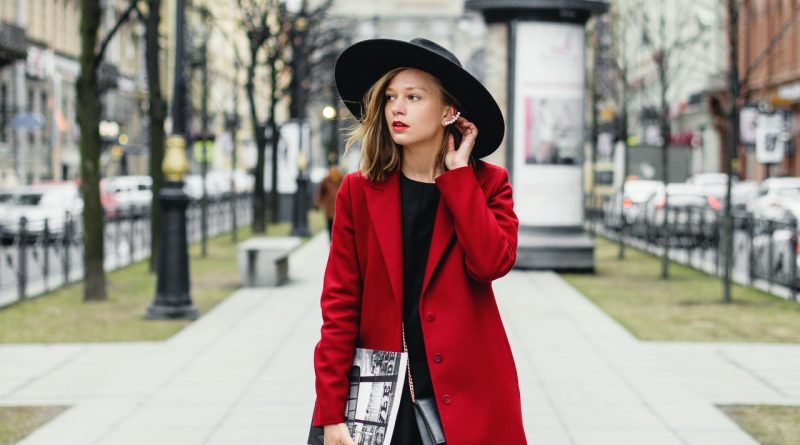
[{"x": 362, "y": 64}]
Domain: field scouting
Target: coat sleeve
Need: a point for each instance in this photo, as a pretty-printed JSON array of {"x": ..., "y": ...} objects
[
  {"x": 485, "y": 223},
  {"x": 341, "y": 305}
]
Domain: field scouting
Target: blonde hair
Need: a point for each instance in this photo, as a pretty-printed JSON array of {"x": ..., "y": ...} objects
[{"x": 380, "y": 155}]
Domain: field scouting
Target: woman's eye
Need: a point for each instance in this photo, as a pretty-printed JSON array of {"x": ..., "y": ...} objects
[
  {"x": 413, "y": 97},
  {"x": 389, "y": 97}
]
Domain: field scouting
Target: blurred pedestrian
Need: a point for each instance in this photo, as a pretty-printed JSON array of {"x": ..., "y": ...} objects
[
  {"x": 326, "y": 195},
  {"x": 420, "y": 233}
]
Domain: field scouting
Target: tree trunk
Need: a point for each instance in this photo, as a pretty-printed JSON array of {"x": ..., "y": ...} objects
[
  {"x": 273, "y": 103},
  {"x": 665, "y": 133},
  {"x": 259, "y": 195},
  {"x": 157, "y": 113},
  {"x": 733, "y": 127},
  {"x": 89, "y": 109}
]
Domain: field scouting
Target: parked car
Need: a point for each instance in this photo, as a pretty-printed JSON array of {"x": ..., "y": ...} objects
[
  {"x": 6, "y": 199},
  {"x": 772, "y": 193},
  {"x": 54, "y": 203},
  {"x": 132, "y": 193},
  {"x": 217, "y": 185},
  {"x": 772, "y": 245},
  {"x": 108, "y": 198},
  {"x": 691, "y": 211},
  {"x": 627, "y": 206},
  {"x": 713, "y": 184},
  {"x": 743, "y": 192}
]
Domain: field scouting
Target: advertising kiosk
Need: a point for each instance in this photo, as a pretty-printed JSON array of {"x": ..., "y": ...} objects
[{"x": 541, "y": 87}]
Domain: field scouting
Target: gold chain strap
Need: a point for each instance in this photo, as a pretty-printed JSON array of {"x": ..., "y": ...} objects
[{"x": 405, "y": 349}]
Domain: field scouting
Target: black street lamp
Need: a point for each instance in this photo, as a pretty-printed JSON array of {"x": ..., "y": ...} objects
[
  {"x": 300, "y": 211},
  {"x": 172, "y": 300},
  {"x": 179, "y": 84},
  {"x": 299, "y": 34}
]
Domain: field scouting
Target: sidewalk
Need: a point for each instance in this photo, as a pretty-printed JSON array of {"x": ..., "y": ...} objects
[{"x": 243, "y": 374}]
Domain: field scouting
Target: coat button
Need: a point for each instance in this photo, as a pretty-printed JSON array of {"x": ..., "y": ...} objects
[
  {"x": 438, "y": 358},
  {"x": 430, "y": 316},
  {"x": 446, "y": 399}
]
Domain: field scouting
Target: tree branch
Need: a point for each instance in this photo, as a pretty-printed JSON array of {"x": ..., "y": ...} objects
[{"x": 107, "y": 39}]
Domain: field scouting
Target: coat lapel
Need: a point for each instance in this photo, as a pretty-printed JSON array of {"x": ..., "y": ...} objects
[
  {"x": 442, "y": 235},
  {"x": 383, "y": 202}
]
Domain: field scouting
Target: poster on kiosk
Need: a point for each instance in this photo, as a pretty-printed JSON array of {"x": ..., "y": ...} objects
[{"x": 548, "y": 124}]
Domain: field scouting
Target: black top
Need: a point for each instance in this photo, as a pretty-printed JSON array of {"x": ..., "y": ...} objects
[{"x": 419, "y": 201}]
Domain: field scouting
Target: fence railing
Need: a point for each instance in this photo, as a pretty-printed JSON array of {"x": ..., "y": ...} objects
[
  {"x": 42, "y": 255},
  {"x": 765, "y": 251}
]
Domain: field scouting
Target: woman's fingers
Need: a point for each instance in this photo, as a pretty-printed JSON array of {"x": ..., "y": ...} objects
[{"x": 465, "y": 126}]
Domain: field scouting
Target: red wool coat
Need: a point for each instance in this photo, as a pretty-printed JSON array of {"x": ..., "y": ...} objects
[{"x": 474, "y": 242}]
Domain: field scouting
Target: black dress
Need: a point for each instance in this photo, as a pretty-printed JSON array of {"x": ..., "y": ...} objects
[{"x": 419, "y": 201}]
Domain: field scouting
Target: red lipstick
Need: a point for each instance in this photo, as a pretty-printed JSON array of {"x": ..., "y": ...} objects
[{"x": 399, "y": 126}]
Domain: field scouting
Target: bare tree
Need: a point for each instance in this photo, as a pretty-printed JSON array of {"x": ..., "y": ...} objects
[
  {"x": 89, "y": 88},
  {"x": 260, "y": 20},
  {"x": 618, "y": 90},
  {"x": 664, "y": 51}
]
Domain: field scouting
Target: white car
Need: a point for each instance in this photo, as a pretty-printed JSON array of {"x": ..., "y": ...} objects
[
  {"x": 217, "y": 185},
  {"x": 772, "y": 194},
  {"x": 689, "y": 206},
  {"x": 628, "y": 207},
  {"x": 132, "y": 193},
  {"x": 743, "y": 193},
  {"x": 54, "y": 203},
  {"x": 772, "y": 248}
]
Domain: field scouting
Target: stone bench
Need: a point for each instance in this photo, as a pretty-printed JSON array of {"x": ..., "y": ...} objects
[{"x": 265, "y": 261}]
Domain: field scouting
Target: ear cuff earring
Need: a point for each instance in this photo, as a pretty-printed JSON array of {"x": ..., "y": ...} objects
[{"x": 452, "y": 119}]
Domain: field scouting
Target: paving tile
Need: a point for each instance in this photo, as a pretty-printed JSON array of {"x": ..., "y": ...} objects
[{"x": 243, "y": 374}]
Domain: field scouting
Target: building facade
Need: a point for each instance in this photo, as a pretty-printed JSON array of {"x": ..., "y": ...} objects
[
  {"x": 769, "y": 66},
  {"x": 692, "y": 36},
  {"x": 38, "y": 131}
]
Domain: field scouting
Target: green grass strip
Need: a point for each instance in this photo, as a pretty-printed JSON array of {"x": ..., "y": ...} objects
[
  {"x": 16, "y": 422},
  {"x": 62, "y": 316},
  {"x": 687, "y": 306},
  {"x": 769, "y": 425}
]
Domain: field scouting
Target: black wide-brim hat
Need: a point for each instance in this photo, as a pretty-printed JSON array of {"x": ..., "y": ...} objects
[{"x": 362, "y": 64}]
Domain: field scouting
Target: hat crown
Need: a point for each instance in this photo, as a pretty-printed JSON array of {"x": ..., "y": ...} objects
[{"x": 436, "y": 48}]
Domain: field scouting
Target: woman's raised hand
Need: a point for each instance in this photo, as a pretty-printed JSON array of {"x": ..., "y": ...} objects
[
  {"x": 337, "y": 435},
  {"x": 456, "y": 158}
]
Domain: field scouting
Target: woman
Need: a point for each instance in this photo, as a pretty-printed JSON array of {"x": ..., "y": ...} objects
[{"x": 420, "y": 233}]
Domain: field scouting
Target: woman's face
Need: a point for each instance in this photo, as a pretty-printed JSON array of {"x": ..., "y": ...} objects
[{"x": 414, "y": 109}]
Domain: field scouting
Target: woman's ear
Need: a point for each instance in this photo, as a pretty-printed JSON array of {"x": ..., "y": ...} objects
[{"x": 451, "y": 116}]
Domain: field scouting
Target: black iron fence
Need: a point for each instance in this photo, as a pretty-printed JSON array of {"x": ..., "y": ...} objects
[
  {"x": 42, "y": 255},
  {"x": 765, "y": 251}
]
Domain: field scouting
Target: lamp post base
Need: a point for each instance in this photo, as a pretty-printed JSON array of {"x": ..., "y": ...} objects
[
  {"x": 173, "y": 299},
  {"x": 181, "y": 311},
  {"x": 300, "y": 220}
]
